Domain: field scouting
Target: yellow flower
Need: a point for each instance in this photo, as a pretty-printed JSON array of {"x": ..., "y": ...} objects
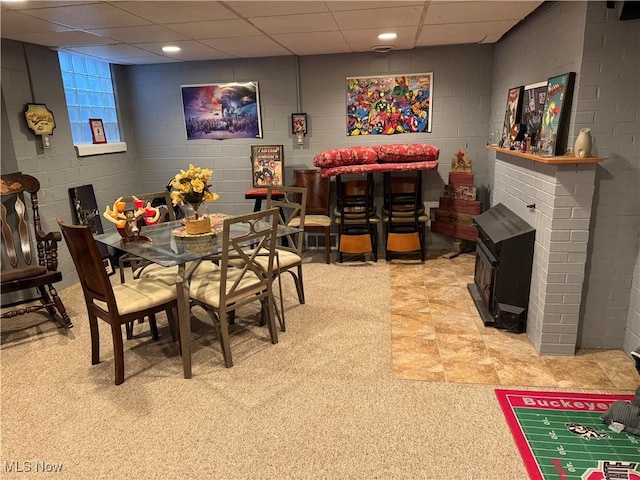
[{"x": 191, "y": 186}]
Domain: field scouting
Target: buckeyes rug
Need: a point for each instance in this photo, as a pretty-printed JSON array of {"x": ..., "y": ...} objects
[{"x": 561, "y": 436}]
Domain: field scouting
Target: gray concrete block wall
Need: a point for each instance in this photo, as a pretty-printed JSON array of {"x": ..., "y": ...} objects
[
  {"x": 160, "y": 136},
  {"x": 31, "y": 74},
  {"x": 609, "y": 106},
  {"x": 460, "y": 116},
  {"x": 632, "y": 335},
  {"x": 603, "y": 51}
]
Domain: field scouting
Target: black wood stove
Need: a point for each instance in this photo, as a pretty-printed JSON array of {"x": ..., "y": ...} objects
[{"x": 504, "y": 261}]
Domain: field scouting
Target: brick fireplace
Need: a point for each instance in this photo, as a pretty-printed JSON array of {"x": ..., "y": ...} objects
[{"x": 562, "y": 194}]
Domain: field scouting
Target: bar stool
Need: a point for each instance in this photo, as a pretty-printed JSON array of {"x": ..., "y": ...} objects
[
  {"x": 317, "y": 219},
  {"x": 403, "y": 214},
  {"x": 355, "y": 214}
]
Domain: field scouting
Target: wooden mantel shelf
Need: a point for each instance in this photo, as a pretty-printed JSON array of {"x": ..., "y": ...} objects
[{"x": 565, "y": 159}]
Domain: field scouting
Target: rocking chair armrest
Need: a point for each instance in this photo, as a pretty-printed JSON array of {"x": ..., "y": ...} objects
[{"x": 48, "y": 237}]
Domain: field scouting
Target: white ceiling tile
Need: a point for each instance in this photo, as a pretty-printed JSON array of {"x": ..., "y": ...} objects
[
  {"x": 444, "y": 34},
  {"x": 97, "y": 15},
  {"x": 314, "y": 22},
  {"x": 214, "y": 29},
  {"x": 41, "y": 4},
  {"x": 366, "y": 5},
  {"x": 241, "y": 28},
  {"x": 191, "y": 50},
  {"x": 112, "y": 51},
  {"x": 378, "y": 17},
  {"x": 144, "y": 33},
  {"x": 59, "y": 39},
  {"x": 313, "y": 43},
  {"x": 163, "y": 12},
  {"x": 15, "y": 22},
  {"x": 260, "y": 46},
  {"x": 364, "y": 39},
  {"x": 463, "y": 12},
  {"x": 268, "y": 9}
]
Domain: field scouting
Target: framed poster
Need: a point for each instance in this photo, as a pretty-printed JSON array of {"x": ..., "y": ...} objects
[
  {"x": 222, "y": 110},
  {"x": 267, "y": 165},
  {"x": 97, "y": 130},
  {"x": 512, "y": 116},
  {"x": 388, "y": 105},
  {"x": 555, "y": 116},
  {"x": 299, "y": 123},
  {"x": 532, "y": 108}
]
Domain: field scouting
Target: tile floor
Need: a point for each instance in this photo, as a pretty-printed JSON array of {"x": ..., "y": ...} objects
[{"x": 443, "y": 339}]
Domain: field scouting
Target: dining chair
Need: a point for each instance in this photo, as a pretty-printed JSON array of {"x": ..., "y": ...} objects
[
  {"x": 403, "y": 215},
  {"x": 291, "y": 203},
  {"x": 317, "y": 218},
  {"x": 355, "y": 215},
  {"x": 235, "y": 283},
  {"x": 118, "y": 304}
]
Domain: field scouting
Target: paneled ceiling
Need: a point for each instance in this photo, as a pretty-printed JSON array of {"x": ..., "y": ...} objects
[{"x": 134, "y": 32}]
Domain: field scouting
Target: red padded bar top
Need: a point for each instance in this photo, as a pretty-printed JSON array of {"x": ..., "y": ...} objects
[{"x": 379, "y": 167}]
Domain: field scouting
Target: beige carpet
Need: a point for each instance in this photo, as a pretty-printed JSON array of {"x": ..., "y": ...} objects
[{"x": 322, "y": 403}]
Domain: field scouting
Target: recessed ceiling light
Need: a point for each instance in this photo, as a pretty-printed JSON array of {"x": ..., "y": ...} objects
[
  {"x": 387, "y": 36},
  {"x": 171, "y": 49}
]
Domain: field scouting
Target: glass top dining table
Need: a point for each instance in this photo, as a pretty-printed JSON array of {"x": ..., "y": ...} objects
[{"x": 165, "y": 244}]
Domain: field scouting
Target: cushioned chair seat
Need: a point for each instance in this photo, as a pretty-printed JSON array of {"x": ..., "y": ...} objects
[
  {"x": 139, "y": 295},
  {"x": 283, "y": 259},
  {"x": 357, "y": 220},
  {"x": 206, "y": 289},
  {"x": 168, "y": 275},
  {"x": 312, "y": 221},
  {"x": 406, "y": 218}
]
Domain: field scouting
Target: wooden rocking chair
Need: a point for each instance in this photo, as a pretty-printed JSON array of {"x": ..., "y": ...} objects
[{"x": 23, "y": 267}]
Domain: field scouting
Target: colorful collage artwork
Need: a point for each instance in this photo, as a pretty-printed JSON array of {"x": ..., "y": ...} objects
[{"x": 388, "y": 105}]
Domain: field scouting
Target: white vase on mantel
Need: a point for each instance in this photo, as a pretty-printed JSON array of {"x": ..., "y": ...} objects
[{"x": 582, "y": 147}]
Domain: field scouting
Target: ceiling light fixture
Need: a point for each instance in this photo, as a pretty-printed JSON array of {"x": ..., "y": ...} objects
[
  {"x": 382, "y": 48},
  {"x": 387, "y": 36},
  {"x": 171, "y": 49}
]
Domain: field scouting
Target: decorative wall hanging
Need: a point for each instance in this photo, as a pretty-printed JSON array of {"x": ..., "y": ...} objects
[
  {"x": 40, "y": 119},
  {"x": 299, "y": 126},
  {"x": 221, "y": 111},
  {"x": 386, "y": 105},
  {"x": 532, "y": 108},
  {"x": 553, "y": 130},
  {"x": 267, "y": 165},
  {"x": 512, "y": 116},
  {"x": 97, "y": 130}
]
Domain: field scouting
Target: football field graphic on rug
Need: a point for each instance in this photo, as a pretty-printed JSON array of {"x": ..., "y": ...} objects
[{"x": 561, "y": 436}]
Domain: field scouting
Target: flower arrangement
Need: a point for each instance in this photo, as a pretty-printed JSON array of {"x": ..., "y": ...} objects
[{"x": 191, "y": 187}]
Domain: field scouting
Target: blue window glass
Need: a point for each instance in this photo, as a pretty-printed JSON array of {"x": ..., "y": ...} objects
[{"x": 88, "y": 89}]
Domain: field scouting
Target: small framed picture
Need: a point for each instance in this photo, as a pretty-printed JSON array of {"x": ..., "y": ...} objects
[
  {"x": 267, "y": 164},
  {"x": 299, "y": 123},
  {"x": 97, "y": 130}
]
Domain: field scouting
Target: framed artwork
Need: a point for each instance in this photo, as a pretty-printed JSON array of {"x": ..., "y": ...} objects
[
  {"x": 222, "y": 110},
  {"x": 555, "y": 116},
  {"x": 299, "y": 123},
  {"x": 267, "y": 165},
  {"x": 97, "y": 130},
  {"x": 512, "y": 116},
  {"x": 532, "y": 108},
  {"x": 388, "y": 105}
]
